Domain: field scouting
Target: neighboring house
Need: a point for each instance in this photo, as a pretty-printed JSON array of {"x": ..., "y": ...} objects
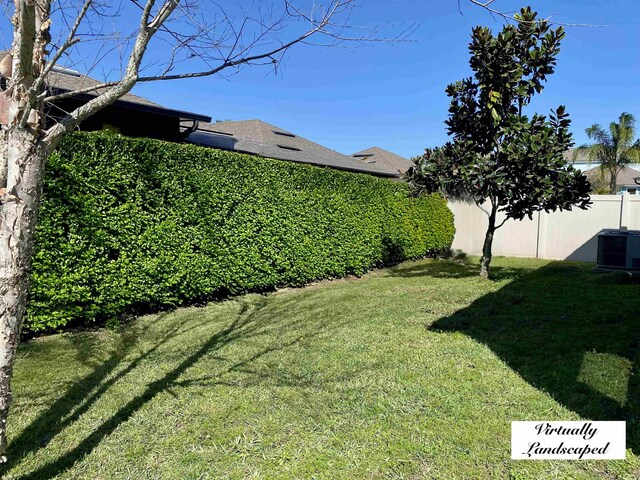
[
  {"x": 135, "y": 116},
  {"x": 576, "y": 155},
  {"x": 625, "y": 182},
  {"x": 580, "y": 160},
  {"x": 383, "y": 158},
  {"x": 260, "y": 138},
  {"x": 131, "y": 115}
]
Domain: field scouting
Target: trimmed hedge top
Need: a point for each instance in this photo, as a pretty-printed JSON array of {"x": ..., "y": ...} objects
[{"x": 131, "y": 225}]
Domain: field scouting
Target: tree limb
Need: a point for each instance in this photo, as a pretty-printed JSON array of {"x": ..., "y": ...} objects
[
  {"x": 487, "y": 5},
  {"x": 69, "y": 42},
  {"x": 148, "y": 27},
  {"x": 319, "y": 27}
]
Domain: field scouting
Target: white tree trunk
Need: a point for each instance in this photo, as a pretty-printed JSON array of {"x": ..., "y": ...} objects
[
  {"x": 25, "y": 169},
  {"x": 3, "y": 156}
]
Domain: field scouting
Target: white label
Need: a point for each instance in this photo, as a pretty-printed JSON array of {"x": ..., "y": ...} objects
[{"x": 568, "y": 440}]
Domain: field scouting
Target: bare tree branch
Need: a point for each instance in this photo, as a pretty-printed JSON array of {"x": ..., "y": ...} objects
[
  {"x": 239, "y": 56},
  {"x": 70, "y": 41},
  {"x": 148, "y": 27},
  {"x": 508, "y": 16}
]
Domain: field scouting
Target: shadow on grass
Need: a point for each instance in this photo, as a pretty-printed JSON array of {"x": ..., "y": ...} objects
[
  {"x": 569, "y": 332},
  {"x": 80, "y": 397},
  {"x": 454, "y": 269},
  {"x": 83, "y": 394}
]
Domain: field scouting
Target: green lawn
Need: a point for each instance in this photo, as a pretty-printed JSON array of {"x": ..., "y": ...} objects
[{"x": 410, "y": 372}]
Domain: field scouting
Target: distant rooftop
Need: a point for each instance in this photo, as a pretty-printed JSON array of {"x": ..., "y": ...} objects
[
  {"x": 266, "y": 140},
  {"x": 625, "y": 177},
  {"x": 574, "y": 155},
  {"x": 383, "y": 158}
]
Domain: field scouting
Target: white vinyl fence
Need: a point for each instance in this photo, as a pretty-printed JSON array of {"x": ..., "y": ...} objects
[{"x": 558, "y": 235}]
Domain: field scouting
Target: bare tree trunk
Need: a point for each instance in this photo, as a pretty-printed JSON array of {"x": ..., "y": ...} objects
[
  {"x": 3, "y": 156},
  {"x": 26, "y": 157},
  {"x": 488, "y": 242}
]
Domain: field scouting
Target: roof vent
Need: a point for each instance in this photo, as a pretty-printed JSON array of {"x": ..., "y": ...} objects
[
  {"x": 363, "y": 155},
  {"x": 286, "y": 147},
  {"x": 284, "y": 134}
]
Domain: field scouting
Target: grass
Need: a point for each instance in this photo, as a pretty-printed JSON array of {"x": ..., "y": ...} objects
[{"x": 410, "y": 372}]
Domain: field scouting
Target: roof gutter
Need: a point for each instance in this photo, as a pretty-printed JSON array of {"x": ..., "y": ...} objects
[{"x": 189, "y": 130}]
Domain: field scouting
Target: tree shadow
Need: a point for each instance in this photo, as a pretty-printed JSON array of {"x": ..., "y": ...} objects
[
  {"x": 454, "y": 269},
  {"x": 80, "y": 397},
  {"x": 569, "y": 332}
]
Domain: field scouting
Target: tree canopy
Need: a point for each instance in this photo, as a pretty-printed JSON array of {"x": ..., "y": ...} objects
[{"x": 499, "y": 157}]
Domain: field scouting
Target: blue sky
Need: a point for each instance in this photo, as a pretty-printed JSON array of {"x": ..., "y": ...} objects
[{"x": 392, "y": 95}]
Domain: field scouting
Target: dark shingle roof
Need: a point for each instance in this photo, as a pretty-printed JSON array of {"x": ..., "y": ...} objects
[
  {"x": 575, "y": 155},
  {"x": 383, "y": 158},
  {"x": 625, "y": 177},
  {"x": 67, "y": 80},
  {"x": 260, "y": 138}
]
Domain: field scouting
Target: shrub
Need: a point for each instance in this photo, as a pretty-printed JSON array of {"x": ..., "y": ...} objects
[{"x": 132, "y": 225}]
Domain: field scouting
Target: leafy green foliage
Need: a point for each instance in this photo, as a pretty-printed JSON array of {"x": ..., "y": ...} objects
[
  {"x": 527, "y": 173},
  {"x": 614, "y": 150},
  {"x": 130, "y": 225},
  {"x": 500, "y": 155}
]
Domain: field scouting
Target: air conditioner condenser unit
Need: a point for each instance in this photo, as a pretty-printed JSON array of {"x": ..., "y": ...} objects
[{"x": 619, "y": 249}]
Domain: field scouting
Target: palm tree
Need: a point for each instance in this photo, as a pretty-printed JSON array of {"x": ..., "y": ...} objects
[{"x": 614, "y": 149}]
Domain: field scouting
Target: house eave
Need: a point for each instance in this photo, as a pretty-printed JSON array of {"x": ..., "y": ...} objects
[{"x": 167, "y": 112}]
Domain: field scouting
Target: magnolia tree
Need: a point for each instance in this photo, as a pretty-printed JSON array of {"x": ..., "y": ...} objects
[{"x": 501, "y": 159}]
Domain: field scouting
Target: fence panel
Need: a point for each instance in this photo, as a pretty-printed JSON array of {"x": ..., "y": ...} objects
[{"x": 557, "y": 235}]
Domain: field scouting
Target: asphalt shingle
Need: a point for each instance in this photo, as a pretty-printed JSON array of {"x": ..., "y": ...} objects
[
  {"x": 383, "y": 158},
  {"x": 260, "y": 138}
]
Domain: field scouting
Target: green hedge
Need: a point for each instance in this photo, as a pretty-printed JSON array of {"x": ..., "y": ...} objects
[{"x": 131, "y": 225}]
